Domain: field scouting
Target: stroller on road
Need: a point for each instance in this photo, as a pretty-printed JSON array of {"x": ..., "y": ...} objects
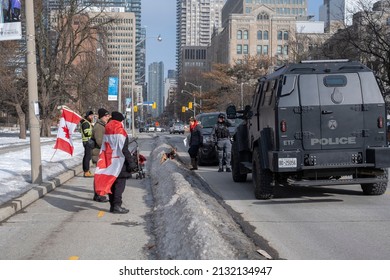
[{"x": 137, "y": 160}]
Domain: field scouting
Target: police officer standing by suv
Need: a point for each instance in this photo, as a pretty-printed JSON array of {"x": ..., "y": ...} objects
[{"x": 221, "y": 136}]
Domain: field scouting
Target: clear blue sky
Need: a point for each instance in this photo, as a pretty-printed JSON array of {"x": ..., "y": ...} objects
[{"x": 159, "y": 18}]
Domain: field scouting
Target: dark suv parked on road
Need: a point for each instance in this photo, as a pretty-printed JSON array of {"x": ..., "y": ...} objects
[
  {"x": 313, "y": 123},
  {"x": 208, "y": 153}
]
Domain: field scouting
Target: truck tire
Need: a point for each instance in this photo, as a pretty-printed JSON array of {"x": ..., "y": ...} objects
[
  {"x": 235, "y": 162},
  {"x": 262, "y": 178},
  {"x": 375, "y": 188}
]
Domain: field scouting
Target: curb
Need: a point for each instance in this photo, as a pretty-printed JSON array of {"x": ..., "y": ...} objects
[{"x": 11, "y": 207}]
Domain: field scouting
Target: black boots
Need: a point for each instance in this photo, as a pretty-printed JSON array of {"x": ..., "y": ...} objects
[
  {"x": 100, "y": 198},
  {"x": 194, "y": 163},
  {"x": 118, "y": 210}
]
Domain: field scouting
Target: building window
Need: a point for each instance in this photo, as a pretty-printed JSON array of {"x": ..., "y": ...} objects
[
  {"x": 263, "y": 16},
  {"x": 265, "y": 35},
  {"x": 259, "y": 35},
  {"x": 280, "y": 35},
  {"x": 265, "y": 50},
  {"x": 239, "y": 34},
  {"x": 279, "y": 49},
  {"x": 259, "y": 49},
  {"x": 283, "y": 35},
  {"x": 245, "y": 35},
  {"x": 285, "y": 50},
  {"x": 239, "y": 49},
  {"x": 246, "y": 49}
]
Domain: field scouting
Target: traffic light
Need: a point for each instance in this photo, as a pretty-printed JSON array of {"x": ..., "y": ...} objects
[
  {"x": 154, "y": 106},
  {"x": 135, "y": 109},
  {"x": 189, "y": 105},
  {"x": 183, "y": 109}
]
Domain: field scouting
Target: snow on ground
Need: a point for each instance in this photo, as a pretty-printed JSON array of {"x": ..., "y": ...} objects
[{"x": 15, "y": 166}]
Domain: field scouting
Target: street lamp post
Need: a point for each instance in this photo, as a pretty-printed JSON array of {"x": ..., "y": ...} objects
[
  {"x": 192, "y": 94},
  {"x": 120, "y": 80},
  {"x": 200, "y": 93},
  {"x": 35, "y": 141},
  {"x": 242, "y": 95}
]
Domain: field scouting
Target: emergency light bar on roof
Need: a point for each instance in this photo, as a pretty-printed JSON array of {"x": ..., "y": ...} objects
[{"x": 325, "y": 61}]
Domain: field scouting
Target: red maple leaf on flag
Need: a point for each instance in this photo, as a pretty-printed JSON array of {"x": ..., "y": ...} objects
[
  {"x": 66, "y": 131},
  {"x": 105, "y": 157}
]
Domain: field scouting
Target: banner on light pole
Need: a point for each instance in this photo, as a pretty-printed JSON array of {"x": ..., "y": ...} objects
[
  {"x": 113, "y": 83},
  {"x": 10, "y": 24}
]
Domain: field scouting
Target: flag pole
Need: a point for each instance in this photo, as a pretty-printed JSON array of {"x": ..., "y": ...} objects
[{"x": 53, "y": 155}]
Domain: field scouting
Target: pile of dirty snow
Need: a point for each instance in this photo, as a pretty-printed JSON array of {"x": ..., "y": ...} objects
[{"x": 189, "y": 221}]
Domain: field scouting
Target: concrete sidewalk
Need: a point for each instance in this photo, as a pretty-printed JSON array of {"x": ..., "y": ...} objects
[{"x": 75, "y": 226}]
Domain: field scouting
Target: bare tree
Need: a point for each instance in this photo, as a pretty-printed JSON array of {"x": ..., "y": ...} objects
[
  {"x": 13, "y": 82},
  {"x": 66, "y": 43},
  {"x": 228, "y": 82},
  {"x": 367, "y": 39}
]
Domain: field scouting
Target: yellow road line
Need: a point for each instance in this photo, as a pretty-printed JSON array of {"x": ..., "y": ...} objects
[
  {"x": 74, "y": 258},
  {"x": 101, "y": 214}
]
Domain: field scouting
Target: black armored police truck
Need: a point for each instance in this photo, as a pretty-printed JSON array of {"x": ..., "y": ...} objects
[{"x": 314, "y": 123}]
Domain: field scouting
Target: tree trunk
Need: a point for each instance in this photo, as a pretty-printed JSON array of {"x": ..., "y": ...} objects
[
  {"x": 46, "y": 128},
  {"x": 22, "y": 121}
]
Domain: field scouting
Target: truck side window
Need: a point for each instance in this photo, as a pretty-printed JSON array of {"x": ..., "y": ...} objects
[{"x": 267, "y": 100}]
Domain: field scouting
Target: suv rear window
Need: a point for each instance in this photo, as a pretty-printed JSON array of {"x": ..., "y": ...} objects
[
  {"x": 335, "y": 81},
  {"x": 208, "y": 120}
]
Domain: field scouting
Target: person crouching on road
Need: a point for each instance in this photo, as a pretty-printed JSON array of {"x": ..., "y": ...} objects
[
  {"x": 113, "y": 167},
  {"x": 221, "y": 136},
  {"x": 195, "y": 142},
  {"x": 86, "y": 134}
]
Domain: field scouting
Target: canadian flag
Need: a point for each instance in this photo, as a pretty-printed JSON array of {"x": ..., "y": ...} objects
[
  {"x": 111, "y": 157},
  {"x": 66, "y": 127}
]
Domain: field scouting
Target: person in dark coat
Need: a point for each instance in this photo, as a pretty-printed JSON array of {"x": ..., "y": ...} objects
[
  {"x": 97, "y": 135},
  {"x": 86, "y": 134},
  {"x": 195, "y": 142},
  {"x": 221, "y": 136},
  {"x": 117, "y": 189}
]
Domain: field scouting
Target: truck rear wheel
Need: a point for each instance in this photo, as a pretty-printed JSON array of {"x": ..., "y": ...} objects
[
  {"x": 376, "y": 188},
  {"x": 262, "y": 178},
  {"x": 235, "y": 162}
]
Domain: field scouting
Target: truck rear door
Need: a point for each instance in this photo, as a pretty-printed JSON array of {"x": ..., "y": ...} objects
[{"x": 332, "y": 115}]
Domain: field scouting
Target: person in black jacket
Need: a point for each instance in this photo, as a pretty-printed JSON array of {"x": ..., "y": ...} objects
[
  {"x": 117, "y": 189},
  {"x": 86, "y": 134},
  {"x": 195, "y": 142},
  {"x": 221, "y": 136}
]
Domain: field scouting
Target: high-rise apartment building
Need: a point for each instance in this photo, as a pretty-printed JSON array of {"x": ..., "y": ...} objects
[
  {"x": 131, "y": 6},
  {"x": 195, "y": 24},
  {"x": 156, "y": 87},
  {"x": 335, "y": 13},
  {"x": 121, "y": 40}
]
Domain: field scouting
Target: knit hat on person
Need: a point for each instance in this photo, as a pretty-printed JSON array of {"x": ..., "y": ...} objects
[
  {"x": 88, "y": 114},
  {"x": 102, "y": 112},
  {"x": 117, "y": 116}
]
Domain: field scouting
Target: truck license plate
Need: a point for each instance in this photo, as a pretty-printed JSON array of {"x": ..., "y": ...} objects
[{"x": 287, "y": 162}]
